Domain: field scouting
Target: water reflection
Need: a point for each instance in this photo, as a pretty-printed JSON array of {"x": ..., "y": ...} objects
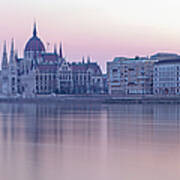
[
  {"x": 89, "y": 141},
  {"x": 146, "y": 125}
]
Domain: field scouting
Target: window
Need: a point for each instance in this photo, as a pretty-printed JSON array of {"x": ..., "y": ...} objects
[{"x": 114, "y": 70}]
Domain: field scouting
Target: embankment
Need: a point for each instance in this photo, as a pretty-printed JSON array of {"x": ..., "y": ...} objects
[{"x": 95, "y": 99}]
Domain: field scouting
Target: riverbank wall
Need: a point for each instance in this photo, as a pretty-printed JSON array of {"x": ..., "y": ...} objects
[{"x": 95, "y": 99}]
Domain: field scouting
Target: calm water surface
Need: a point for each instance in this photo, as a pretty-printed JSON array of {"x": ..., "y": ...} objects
[{"x": 89, "y": 142}]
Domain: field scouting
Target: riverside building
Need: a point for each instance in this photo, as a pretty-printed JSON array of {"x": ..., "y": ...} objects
[
  {"x": 42, "y": 73},
  {"x": 166, "y": 78},
  {"x": 130, "y": 76}
]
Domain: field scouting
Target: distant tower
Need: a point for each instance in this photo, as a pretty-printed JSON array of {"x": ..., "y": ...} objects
[
  {"x": 16, "y": 55},
  {"x": 12, "y": 54},
  {"x": 55, "y": 49},
  {"x": 88, "y": 59},
  {"x": 12, "y": 71},
  {"x": 60, "y": 51},
  {"x": 4, "y": 59},
  {"x": 5, "y": 74},
  {"x": 83, "y": 60},
  {"x": 33, "y": 52}
]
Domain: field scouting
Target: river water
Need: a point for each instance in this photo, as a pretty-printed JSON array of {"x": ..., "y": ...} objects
[{"x": 89, "y": 142}]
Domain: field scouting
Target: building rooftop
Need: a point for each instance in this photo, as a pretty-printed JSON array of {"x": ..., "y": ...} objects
[
  {"x": 168, "y": 61},
  {"x": 50, "y": 58},
  {"x": 164, "y": 56},
  {"x": 83, "y": 67}
]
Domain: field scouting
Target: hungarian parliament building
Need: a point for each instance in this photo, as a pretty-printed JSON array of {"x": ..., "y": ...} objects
[{"x": 47, "y": 73}]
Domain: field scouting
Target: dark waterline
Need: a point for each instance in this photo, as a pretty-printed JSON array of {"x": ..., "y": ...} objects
[{"x": 75, "y": 141}]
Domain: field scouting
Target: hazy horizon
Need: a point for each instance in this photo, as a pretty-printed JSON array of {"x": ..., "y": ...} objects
[{"x": 100, "y": 29}]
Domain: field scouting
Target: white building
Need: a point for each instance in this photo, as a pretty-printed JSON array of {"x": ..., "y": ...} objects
[{"x": 166, "y": 77}]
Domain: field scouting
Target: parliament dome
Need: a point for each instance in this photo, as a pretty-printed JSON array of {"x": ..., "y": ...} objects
[{"x": 34, "y": 43}]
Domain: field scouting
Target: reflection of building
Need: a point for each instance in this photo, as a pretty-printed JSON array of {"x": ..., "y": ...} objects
[
  {"x": 53, "y": 123},
  {"x": 89, "y": 123},
  {"x": 41, "y": 72},
  {"x": 130, "y": 124},
  {"x": 130, "y": 76},
  {"x": 167, "y": 77},
  {"x": 153, "y": 124}
]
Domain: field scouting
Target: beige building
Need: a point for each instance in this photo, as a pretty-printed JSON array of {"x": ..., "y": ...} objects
[{"x": 130, "y": 76}]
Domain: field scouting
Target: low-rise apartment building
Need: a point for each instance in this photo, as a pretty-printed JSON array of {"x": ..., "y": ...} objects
[{"x": 130, "y": 76}]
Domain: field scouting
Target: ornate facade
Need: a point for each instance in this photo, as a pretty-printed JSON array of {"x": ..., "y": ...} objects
[{"x": 43, "y": 73}]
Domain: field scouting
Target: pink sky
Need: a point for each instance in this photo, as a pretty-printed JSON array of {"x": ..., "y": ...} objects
[{"x": 101, "y": 29}]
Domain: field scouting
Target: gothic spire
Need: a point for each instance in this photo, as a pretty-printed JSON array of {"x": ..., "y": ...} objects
[
  {"x": 83, "y": 60},
  {"x": 16, "y": 54},
  {"x": 34, "y": 30},
  {"x": 55, "y": 49},
  {"x": 11, "y": 59},
  {"x": 12, "y": 45},
  {"x": 88, "y": 59},
  {"x": 4, "y": 60},
  {"x": 60, "y": 51}
]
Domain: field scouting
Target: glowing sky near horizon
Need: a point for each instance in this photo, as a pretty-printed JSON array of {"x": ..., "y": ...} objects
[{"x": 102, "y": 29}]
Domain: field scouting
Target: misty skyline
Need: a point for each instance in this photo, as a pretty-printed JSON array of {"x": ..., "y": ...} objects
[{"x": 100, "y": 29}]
